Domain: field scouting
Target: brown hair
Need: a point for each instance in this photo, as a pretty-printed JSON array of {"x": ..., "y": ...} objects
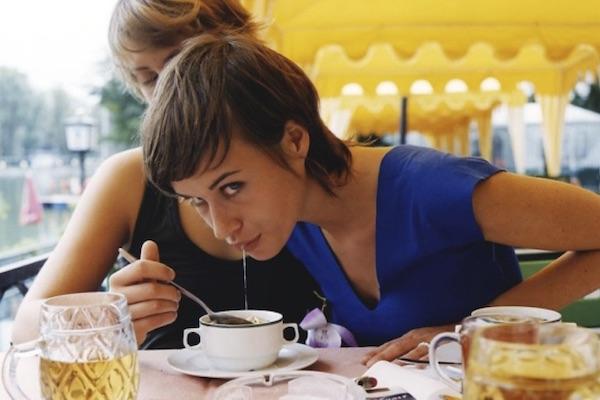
[
  {"x": 226, "y": 83},
  {"x": 137, "y": 25}
]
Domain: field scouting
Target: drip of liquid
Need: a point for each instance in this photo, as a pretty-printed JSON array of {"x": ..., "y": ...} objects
[{"x": 245, "y": 279}]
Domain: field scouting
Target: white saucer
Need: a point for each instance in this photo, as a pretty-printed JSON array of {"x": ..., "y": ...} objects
[{"x": 194, "y": 362}]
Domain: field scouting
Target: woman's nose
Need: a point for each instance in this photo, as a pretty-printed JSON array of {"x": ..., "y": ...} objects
[{"x": 224, "y": 225}]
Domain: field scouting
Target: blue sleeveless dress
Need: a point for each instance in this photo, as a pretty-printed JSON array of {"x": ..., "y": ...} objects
[{"x": 433, "y": 265}]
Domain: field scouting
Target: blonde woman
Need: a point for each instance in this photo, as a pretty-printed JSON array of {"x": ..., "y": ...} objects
[{"x": 120, "y": 209}]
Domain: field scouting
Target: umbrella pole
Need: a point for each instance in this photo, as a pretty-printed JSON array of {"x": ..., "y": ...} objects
[{"x": 403, "y": 119}]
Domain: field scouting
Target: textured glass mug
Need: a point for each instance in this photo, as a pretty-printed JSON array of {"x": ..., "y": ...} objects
[
  {"x": 480, "y": 318},
  {"x": 463, "y": 336},
  {"x": 87, "y": 349},
  {"x": 533, "y": 361}
]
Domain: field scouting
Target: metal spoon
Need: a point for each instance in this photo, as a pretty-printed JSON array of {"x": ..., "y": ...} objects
[{"x": 217, "y": 318}]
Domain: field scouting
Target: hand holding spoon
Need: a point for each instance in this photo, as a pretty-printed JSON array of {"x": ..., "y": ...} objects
[{"x": 217, "y": 318}]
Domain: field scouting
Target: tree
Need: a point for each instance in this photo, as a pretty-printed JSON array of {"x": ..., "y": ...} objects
[
  {"x": 126, "y": 112},
  {"x": 19, "y": 113},
  {"x": 57, "y": 108},
  {"x": 30, "y": 120}
]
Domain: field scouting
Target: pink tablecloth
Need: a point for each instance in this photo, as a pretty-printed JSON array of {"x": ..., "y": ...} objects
[{"x": 159, "y": 381}]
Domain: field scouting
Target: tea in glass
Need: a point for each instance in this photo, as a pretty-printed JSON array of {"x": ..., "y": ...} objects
[
  {"x": 87, "y": 350},
  {"x": 111, "y": 379},
  {"x": 533, "y": 362}
]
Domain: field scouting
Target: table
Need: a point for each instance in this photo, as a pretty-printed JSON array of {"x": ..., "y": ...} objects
[{"x": 159, "y": 381}]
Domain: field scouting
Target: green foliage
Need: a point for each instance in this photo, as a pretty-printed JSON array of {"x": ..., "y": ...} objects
[
  {"x": 18, "y": 113},
  {"x": 30, "y": 120},
  {"x": 592, "y": 101},
  {"x": 126, "y": 112},
  {"x": 58, "y": 107}
]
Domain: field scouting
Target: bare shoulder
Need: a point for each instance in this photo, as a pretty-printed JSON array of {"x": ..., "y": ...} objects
[
  {"x": 116, "y": 188},
  {"x": 121, "y": 173},
  {"x": 125, "y": 165},
  {"x": 367, "y": 158}
]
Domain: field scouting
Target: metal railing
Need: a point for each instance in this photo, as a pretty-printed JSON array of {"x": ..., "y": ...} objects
[{"x": 17, "y": 273}]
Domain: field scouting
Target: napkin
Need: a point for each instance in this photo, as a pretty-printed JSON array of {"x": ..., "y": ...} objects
[{"x": 411, "y": 380}]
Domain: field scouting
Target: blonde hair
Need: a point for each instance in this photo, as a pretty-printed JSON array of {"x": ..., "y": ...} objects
[{"x": 137, "y": 25}]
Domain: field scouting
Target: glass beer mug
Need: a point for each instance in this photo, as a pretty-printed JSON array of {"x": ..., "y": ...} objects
[
  {"x": 87, "y": 349},
  {"x": 533, "y": 362}
]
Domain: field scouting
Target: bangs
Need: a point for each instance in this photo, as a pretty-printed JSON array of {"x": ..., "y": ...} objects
[
  {"x": 220, "y": 86},
  {"x": 182, "y": 137}
]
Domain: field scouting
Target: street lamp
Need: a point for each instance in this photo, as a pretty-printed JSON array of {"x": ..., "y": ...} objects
[{"x": 79, "y": 131}]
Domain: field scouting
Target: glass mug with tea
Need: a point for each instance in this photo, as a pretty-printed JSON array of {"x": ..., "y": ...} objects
[
  {"x": 533, "y": 361},
  {"x": 480, "y": 318},
  {"x": 87, "y": 349}
]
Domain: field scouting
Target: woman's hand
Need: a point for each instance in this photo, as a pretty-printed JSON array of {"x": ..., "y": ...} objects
[
  {"x": 413, "y": 344},
  {"x": 152, "y": 304}
]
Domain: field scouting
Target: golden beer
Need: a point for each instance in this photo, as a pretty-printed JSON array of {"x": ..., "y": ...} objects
[
  {"x": 533, "y": 363},
  {"x": 489, "y": 387},
  {"x": 115, "y": 379}
]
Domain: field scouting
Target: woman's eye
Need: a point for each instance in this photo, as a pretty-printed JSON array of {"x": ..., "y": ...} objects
[
  {"x": 232, "y": 188},
  {"x": 146, "y": 78},
  {"x": 149, "y": 81}
]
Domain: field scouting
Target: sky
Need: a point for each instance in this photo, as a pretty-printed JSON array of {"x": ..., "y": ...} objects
[{"x": 57, "y": 42}]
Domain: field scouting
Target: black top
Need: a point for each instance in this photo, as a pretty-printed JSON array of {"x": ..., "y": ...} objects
[{"x": 280, "y": 284}]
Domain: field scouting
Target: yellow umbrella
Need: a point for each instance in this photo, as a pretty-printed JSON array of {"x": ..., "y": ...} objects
[
  {"x": 548, "y": 42},
  {"x": 444, "y": 118},
  {"x": 448, "y": 133},
  {"x": 332, "y": 68},
  {"x": 299, "y": 28}
]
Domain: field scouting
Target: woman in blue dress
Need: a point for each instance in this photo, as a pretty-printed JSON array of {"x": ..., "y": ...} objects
[{"x": 404, "y": 242}]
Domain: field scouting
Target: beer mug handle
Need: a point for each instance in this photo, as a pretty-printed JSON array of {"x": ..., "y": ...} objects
[
  {"x": 186, "y": 333},
  {"x": 436, "y": 342},
  {"x": 296, "y": 334},
  {"x": 11, "y": 361}
]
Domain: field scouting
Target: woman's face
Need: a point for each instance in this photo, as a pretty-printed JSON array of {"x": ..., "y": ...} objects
[
  {"x": 146, "y": 65},
  {"x": 249, "y": 200}
]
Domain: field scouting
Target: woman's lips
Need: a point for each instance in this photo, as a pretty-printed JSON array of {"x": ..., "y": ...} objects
[{"x": 250, "y": 245}]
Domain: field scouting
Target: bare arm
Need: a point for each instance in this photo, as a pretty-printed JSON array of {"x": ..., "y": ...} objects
[
  {"x": 539, "y": 213},
  {"x": 103, "y": 221}
]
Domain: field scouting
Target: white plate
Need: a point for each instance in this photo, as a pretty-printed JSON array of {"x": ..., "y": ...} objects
[{"x": 194, "y": 362}]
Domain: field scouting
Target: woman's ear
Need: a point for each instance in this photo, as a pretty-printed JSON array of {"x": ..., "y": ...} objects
[{"x": 295, "y": 141}]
